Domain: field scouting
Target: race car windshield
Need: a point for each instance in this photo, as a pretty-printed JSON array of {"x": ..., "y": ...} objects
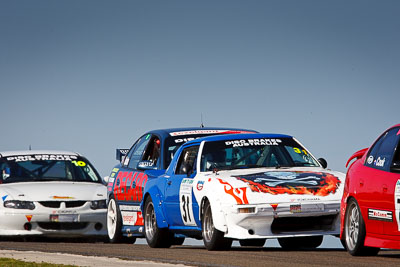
[
  {"x": 254, "y": 153},
  {"x": 32, "y": 168},
  {"x": 173, "y": 142}
]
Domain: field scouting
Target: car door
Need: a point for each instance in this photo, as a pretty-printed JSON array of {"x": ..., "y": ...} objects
[
  {"x": 132, "y": 177},
  {"x": 128, "y": 175},
  {"x": 179, "y": 197},
  {"x": 376, "y": 193}
]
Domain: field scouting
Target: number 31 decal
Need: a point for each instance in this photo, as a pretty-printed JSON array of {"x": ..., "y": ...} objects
[{"x": 185, "y": 202}]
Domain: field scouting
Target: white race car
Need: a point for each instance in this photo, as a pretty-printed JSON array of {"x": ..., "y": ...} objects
[
  {"x": 246, "y": 187},
  {"x": 52, "y": 194}
]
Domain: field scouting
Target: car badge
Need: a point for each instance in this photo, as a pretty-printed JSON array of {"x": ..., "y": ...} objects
[{"x": 200, "y": 185}]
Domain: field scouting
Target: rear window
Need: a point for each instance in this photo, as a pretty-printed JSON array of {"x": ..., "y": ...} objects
[{"x": 381, "y": 154}]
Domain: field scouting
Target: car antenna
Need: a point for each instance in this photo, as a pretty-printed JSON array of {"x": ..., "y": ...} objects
[
  {"x": 201, "y": 118},
  {"x": 30, "y": 147}
]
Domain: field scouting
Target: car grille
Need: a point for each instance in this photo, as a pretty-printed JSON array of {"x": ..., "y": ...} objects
[
  {"x": 63, "y": 225},
  {"x": 297, "y": 224},
  {"x": 57, "y": 204},
  {"x": 74, "y": 204}
]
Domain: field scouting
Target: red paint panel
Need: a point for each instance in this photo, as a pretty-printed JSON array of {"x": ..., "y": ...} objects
[{"x": 139, "y": 219}]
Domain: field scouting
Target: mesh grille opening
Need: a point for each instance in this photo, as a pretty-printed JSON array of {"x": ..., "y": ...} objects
[
  {"x": 296, "y": 224},
  {"x": 57, "y": 204}
]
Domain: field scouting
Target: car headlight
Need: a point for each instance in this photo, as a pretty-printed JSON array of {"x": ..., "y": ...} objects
[
  {"x": 98, "y": 204},
  {"x": 19, "y": 204}
]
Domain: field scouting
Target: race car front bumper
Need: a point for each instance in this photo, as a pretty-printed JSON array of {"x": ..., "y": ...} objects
[
  {"x": 53, "y": 222},
  {"x": 281, "y": 220}
]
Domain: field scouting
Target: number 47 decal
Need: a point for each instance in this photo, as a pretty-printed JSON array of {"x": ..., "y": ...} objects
[{"x": 185, "y": 202}]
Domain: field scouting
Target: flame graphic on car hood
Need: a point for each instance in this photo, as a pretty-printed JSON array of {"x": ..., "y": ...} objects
[{"x": 301, "y": 183}]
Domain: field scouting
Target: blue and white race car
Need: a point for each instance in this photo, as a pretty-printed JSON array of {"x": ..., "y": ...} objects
[
  {"x": 246, "y": 187},
  {"x": 148, "y": 158}
]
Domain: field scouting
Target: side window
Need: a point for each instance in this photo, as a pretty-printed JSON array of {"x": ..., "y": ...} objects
[
  {"x": 152, "y": 153},
  {"x": 187, "y": 161},
  {"x": 381, "y": 154},
  {"x": 137, "y": 152},
  {"x": 395, "y": 166},
  {"x": 129, "y": 154}
]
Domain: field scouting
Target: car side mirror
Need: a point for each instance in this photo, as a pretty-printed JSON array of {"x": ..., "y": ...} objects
[
  {"x": 323, "y": 162},
  {"x": 105, "y": 179},
  {"x": 395, "y": 167}
]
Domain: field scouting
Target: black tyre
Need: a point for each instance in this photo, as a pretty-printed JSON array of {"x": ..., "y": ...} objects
[
  {"x": 213, "y": 239},
  {"x": 114, "y": 224},
  {"x": 156, "y": 237},
  {"x": 354, "y": 231},
  {"x": 303, "y": 242},
  {"x": 252, "y": 242}
]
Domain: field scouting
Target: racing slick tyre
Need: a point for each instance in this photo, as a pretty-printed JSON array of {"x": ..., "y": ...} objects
[
  {"x": 213, "y": 239},
  {"x": 252, "y": 242},
  {"x": 114, "y": 224},
  {"x": 307, "y": 242},
  {"x": 156, "y": 237},
  {"x": 354, "y": 231}
]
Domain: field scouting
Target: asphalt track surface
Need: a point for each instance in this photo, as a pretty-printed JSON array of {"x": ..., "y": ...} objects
[{"x": 199, "y": 256}]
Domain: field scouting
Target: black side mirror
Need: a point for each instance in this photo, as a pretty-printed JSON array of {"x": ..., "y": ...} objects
[{"x": 323, "y": 162}]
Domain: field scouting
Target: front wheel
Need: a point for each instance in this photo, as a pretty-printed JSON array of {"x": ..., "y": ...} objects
[
  {"x": 354, "y": 230},
  {"x": 155, "y": 237},
  {"x": 213, "y": 239},
  {"x": 114, "y": 224}
]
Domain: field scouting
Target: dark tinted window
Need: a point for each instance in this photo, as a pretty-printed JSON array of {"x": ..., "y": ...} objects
[
  {"x": 380, "y": 156},
  {"x": 395, "y": 167},
  {"x": 255, "y": 153},
  {"x": 46, "y": 167},
  {"x": 136, "y": 153},
  {"x": 151, "y": 156},
  {"x": 187, "y": 160},
  {"x": 176, "y": 139}
]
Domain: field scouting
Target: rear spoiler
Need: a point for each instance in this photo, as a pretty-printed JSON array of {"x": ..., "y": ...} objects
[
  {"x": 121, "y": 152},
  {"x": 357, "y": 155}
]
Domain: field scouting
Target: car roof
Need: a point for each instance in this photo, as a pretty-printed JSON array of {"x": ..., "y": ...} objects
[
  {"x": 394, "y": 126},
  {"x": 36, "y": 152},
  {"x": 238, "y": 136},
  {"x": 167, "y": 132}
]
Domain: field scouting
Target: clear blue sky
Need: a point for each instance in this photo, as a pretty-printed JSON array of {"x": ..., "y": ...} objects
[{"x": 91, "y": 76}]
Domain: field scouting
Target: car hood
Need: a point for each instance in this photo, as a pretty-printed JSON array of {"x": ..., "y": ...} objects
[
  {"x": 282, "y": 185},
  {"x": 44, "y": 191}
]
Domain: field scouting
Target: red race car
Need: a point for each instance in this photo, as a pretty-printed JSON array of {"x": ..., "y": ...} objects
[{"x": 371, "y": 200}]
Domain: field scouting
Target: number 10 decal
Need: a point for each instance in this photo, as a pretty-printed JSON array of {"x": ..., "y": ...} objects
[{"x": 185, "y": 202}]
